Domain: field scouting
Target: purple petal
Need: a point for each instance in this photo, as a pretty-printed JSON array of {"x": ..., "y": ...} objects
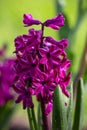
[
  {"x": 29, "y": 20},
  {"x": 55, "y": 22},
  {"x": 62, "y": 44},
  {"x": 65, "y": 91},
  {"x": 24, "y": 103},
  {"x": 38, "y": 90},
  {"x": 54, "y": 27},
  {"x": 43, "y": 52},
  {"x": 43, "y": 61},
  {"x": 48, "y": 108}
]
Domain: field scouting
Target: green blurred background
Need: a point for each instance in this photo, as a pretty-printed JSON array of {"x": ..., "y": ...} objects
[{"x": 75, "y": 12}]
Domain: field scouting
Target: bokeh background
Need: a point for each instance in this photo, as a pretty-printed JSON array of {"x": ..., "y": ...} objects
[{"x": 75, "y": 29}]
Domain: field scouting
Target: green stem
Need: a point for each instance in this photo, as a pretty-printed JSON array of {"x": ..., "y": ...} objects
[
  {"x": 42, "y": 29},
  {"x": 34, "y": 119},
  {"x": 30, "y": 118}
]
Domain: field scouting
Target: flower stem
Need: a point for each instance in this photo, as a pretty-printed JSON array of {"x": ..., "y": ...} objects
[
  {"x": 34, "y": 119},
  {"x": 44, "y": 116},
  {"x": 30, "y": 118},
  {"x": 42, "y": 29}
]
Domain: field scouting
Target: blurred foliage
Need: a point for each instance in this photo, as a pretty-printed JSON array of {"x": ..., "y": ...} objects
[
  {"x": 5, "y": 114},
  {"x": 75, "y": 29}
]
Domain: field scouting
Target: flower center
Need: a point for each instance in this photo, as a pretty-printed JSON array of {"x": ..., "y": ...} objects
[
  {"x": 33, "y": 65},
  {"x": 48, "y": 54},
  {"x": 44, "y": 82}
]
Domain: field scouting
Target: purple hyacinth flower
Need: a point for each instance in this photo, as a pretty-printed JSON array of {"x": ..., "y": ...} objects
[
  {"x": 48, "y": 108},
  {"x": 34, "y": 38},
  {"x": 51, "y": 56},
  {"x": 55, "y": 22},
  {"x": 25, "y": 94},
  {"x": 29, "y": 41},
  {"x": 25, "y": 65},
  {"x": 63, "y": 84},
  {"x": 62, "y": 44},
  {"x": 7, "y": 75},
  {"x": 41, "y": 64},
  {"x": 29, "y": 20},
  {"x": 19, "y": 44},
  {"x": 64, "y": 65},
  {"x": 44, "y": 83}
]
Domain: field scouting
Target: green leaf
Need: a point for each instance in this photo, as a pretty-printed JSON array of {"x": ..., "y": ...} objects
[
  {"x": 39, "y": 115},
  {"x": 5, "y": 114},
  {"x": 80, "y": 2},
  {"x": 69, "y": 110},
  {"x": 60, "y": 4},
  {"x": 59, "y": 117},
  {"x": 34, "y": 119},
  {"x": 77, "y": 125}
]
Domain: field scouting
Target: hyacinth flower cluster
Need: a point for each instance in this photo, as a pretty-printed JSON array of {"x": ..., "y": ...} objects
[
  {"x": 41, "y": 63},
  {"x": 6, "y": 78}
]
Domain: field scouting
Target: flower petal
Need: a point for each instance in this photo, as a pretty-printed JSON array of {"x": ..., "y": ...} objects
[{"x": 29, "y": 20}]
